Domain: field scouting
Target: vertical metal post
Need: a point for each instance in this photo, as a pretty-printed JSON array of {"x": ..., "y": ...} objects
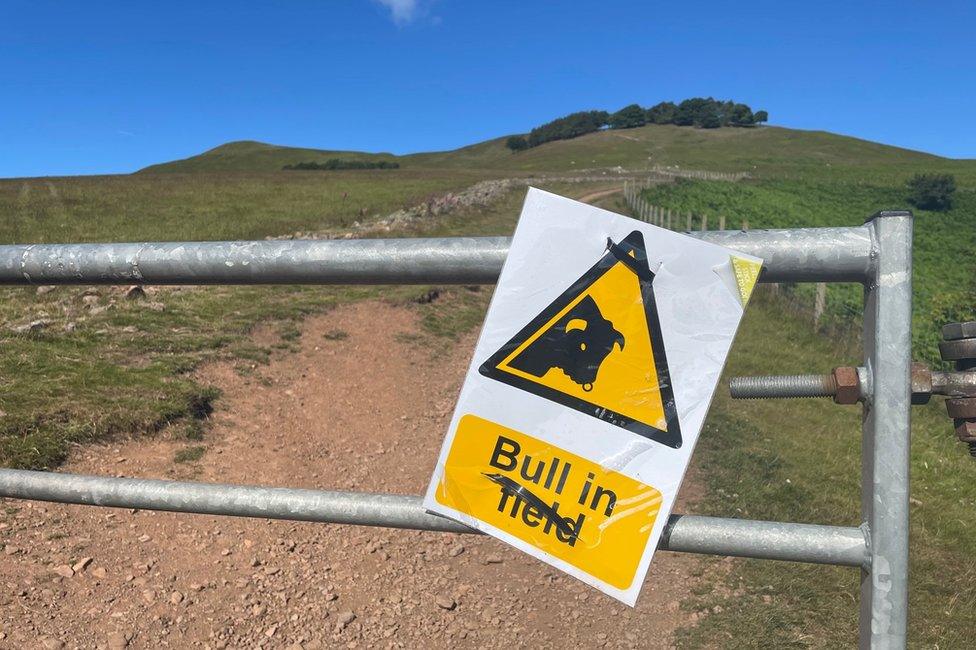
[{"x": 886, "y": 432}]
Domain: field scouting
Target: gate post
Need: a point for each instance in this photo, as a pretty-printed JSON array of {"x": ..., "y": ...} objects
[{"x": 886, "y": 432}]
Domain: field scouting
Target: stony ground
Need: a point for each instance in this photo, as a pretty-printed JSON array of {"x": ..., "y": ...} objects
[{"x": 363, "y": 406}]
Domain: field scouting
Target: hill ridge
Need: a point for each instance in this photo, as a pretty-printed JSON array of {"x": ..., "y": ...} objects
[{"x": 759, "y": 151}]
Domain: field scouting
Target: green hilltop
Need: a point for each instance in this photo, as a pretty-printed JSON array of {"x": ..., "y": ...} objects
[
  {"x": 249, "y": 156},
  {"x": 761, "y": 151}
]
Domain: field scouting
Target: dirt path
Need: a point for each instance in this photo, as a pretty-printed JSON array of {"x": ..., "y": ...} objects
[
  {"x": 365, "y": 412},
  {"x": 601, "y": 194}
]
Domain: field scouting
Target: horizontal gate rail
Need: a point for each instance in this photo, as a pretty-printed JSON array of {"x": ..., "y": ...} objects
[
  {"x": 803, "y": 255},
  {"x": 691, "y": 534}
]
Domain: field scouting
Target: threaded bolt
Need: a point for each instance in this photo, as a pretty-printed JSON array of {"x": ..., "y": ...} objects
[{"x": 788, "y": 386}]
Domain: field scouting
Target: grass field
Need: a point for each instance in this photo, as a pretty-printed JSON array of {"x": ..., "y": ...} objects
[
  {"x": 945, "y": 269},
  {"x": 224, "y": 205},
  {"x": 799, "y": 460},
  {"x": 105, "y": 365}
]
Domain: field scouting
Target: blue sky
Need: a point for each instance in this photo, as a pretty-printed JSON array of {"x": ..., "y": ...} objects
[{"x": 105, "y": 87}]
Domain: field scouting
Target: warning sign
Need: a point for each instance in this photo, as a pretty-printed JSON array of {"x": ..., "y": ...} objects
[
  {"x": 567, "y": 506},
  {"x": 598, "y": 348},
  {"x": 590, "y": 382}
]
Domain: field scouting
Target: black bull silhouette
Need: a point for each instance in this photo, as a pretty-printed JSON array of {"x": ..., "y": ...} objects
[{"x": 577, "y": 344}]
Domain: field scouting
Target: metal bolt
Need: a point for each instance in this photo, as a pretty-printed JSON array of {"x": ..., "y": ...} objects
[
  {"x": 788, "y": 386},
  {"x": 921, "y": 383},
  {"x": 843, "y": 384},
  {"x": 960, "y": 386},
  {"x": 848, "y": 385}
]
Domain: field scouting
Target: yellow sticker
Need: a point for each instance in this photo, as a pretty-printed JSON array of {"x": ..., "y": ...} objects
[
  {"x": 746, "y": 274},
  {"x": 598, "y": 348},
  {"x": 594, "y": 518}
]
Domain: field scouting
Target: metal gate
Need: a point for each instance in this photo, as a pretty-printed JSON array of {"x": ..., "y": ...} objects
[{"x": 877, "y": 254}]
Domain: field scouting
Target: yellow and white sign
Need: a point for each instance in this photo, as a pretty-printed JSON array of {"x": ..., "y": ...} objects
[{"x": 598, "y": 359}]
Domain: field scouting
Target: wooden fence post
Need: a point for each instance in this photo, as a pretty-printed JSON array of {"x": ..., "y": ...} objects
[
  {"x": 745, "y": 224},
  {"x": 689, "y": 221},
  {"x": 721, "y": 222},
  {"x": 704, "y": 222},
  {"x": 820, "y": 304}
]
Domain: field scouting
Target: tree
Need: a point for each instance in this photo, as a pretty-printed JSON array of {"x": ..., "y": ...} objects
[
  {"x": 931, "y": 191},
  {"x": 662, "y": 113},
  {"x": 760, "y": 116},
  {"x": 741, "y": 115},
  {"x": 570, "y": 126},
  {"x": 628, "y": 117},
  {"x": 710, "y": 117},
  {"x": 517, "y": 143},
  {"x": 692, "y": 112}
]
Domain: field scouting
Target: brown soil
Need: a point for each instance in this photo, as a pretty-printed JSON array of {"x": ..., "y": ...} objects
[
  {"x": 601, "y": 194},
  {"x": 366, "y": 412}
]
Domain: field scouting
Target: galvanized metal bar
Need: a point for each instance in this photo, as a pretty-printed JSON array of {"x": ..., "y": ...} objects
[
  {"x": 886, "y": 433},
  {"x": 769, "y": 540},
  {"x": 802, "y": 255},
  {"x": 461, "y": 260},
  {"x": 743, "y": 538}
]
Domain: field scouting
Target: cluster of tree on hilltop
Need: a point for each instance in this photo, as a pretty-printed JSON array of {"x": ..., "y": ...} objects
[
  {"x": 699, "y": 112},
  {"x": 338, "y": 163}
]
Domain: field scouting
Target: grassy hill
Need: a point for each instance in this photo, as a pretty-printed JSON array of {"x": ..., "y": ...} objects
[
  {"x": 251, "y": 156},
  {"x": 766, "y": 151}
]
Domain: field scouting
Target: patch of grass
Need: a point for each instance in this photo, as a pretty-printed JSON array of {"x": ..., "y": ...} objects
[
  {"x": 189, "y": 454},
  {"x": 289, "y": 332},
  {"x": 98, "y": 380},
  {"x": 336, "y": 335},
  {"x": 456, "y": 311}
]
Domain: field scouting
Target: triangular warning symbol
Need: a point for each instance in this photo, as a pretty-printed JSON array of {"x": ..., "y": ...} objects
[{"x": 598, "y": 348}]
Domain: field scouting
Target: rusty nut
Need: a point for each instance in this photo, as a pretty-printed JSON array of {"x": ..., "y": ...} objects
[
  {"x": 921, "y": 383},
  {"x": 961, "y": 408},
  {"x": 956, "y": 331},
  {"x": 961, "y": 349},
  {"x": 965, "y": 429},
  {"x": 848, "y": 385}
]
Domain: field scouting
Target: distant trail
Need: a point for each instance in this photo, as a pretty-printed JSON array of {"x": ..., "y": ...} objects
[{"x": 593, "y": 196}]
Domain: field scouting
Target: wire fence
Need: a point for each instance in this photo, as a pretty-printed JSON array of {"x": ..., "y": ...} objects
[
  {"x": 699, "y": 174},
  {"x": 800, "y": 304},
  {"x": 666, "y": 217}
]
